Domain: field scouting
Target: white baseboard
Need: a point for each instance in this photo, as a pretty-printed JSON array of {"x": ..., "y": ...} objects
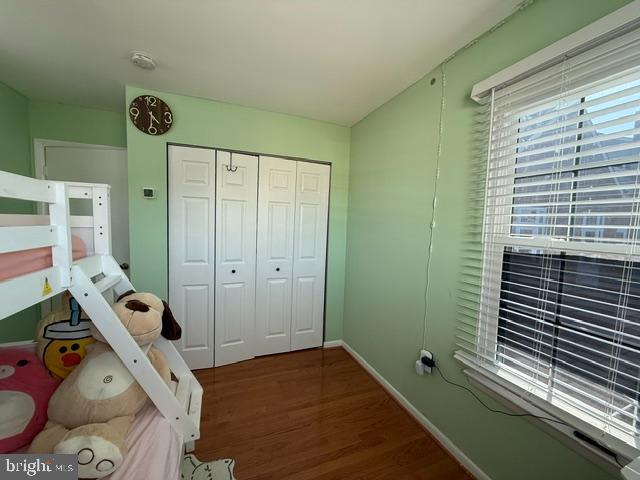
[
  {"x": 465, "y": 461},
  {"x": 333, "y": 344}
]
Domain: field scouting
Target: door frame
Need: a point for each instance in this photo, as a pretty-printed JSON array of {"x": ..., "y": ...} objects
[
  {"x": 39, "y": 157},
  {"x": 266, "y": 154},
  {"x": 40, "y": 145},
  {"x": 39, "y": 152}
]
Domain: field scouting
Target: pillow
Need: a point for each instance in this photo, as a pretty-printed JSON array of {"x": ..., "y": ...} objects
[{"x": 25, "y": 389}]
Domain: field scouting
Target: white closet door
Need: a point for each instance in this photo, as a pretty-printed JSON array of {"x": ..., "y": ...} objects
[
  {"x": 236, "y": 211},
  {"x": 310, "y": 248},
  {"x": 276, "y": 214},
  {"x": 191, "y": 250}
]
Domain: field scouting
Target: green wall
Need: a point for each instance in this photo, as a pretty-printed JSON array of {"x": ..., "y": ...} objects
[
  {"x": 214, "y": 124},
  {"x": 391, "y": 183},
  {"x": 15, "y": 145},
  {"x": 56, "y": 121},
  {"x": 15, "y": 155},
  {"x": 21, "y": 121}
]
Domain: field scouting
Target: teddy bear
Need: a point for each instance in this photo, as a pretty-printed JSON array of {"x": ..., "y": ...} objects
[
  {"x": 92, "y": 410},
  {"x": 25, "y": 389}
]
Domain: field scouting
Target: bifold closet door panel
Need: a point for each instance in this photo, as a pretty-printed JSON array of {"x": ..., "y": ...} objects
[
  {"x": 309, "y": 257},
  {"x": 274, "y": 268},
  {"x": 236, "y": 212},
  {"x": 191, "y": 183}
]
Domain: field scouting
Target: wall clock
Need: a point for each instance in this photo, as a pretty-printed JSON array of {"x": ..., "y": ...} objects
[{"x": 150, "y": 115}]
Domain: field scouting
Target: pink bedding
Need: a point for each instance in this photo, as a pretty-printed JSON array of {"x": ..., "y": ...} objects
[
  {"x": 14, "y": 264},
  {"x": 154, "y": 449}
]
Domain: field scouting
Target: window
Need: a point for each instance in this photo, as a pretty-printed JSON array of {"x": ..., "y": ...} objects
[
  {"x": 560, "y": 323},
  {"x": 559, "y": 311}
]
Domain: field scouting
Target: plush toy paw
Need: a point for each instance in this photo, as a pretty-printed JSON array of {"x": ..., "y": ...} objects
[{"x": 97, "y": 457}]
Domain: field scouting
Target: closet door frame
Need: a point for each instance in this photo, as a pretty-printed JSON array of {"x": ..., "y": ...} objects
[{"x": 267, "y": 154}]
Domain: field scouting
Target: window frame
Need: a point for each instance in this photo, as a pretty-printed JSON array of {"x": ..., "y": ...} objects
[{"x": 493, "y": 258}]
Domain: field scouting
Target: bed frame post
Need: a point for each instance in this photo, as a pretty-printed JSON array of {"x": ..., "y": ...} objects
[
  {"x": 59, "y": 217},
  {"x": 101, "y": 220}
]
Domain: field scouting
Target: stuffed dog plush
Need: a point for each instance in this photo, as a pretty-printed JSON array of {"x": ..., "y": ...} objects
[{"x": 92, "y": 411}]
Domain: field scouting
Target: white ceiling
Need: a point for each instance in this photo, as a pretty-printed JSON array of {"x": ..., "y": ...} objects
[{"x": 333, "y": 60}]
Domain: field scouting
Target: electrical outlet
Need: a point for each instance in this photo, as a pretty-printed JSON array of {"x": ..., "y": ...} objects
[{"x": 429, "y": 355}]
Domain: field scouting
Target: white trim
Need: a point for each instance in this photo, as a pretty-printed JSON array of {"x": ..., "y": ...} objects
[
  {"x": 526, "y": 401},
  {"x": 333, "y": 344},
  {"x": 563, "y": 433},
  {"x": 458, "y": 454},
  {"x": 606, "y": 28}
]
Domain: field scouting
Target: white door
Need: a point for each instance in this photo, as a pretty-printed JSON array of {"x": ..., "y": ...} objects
[
  {"x": 191, "y": 250},
  {"x": 274, "y": 269},
  {"x": 310, "y": 248},
  {"x": 95, "y": 164},
  {"x": 236, "y": 211}
]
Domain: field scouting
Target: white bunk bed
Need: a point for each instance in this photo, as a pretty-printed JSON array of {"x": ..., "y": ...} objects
[{"x": 93, "y": 281}]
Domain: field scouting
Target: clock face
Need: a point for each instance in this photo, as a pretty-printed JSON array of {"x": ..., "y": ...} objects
[{"x": 150, "y": 115}]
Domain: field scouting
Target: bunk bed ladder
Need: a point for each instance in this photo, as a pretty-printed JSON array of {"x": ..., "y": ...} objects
[{"x": 181, "y": 409}]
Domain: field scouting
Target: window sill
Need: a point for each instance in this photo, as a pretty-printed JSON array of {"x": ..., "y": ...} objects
[{"x": 520, "y": 401}]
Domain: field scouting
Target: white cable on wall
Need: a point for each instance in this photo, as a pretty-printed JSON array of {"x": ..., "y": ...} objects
[{"x": 432, "y": 224}]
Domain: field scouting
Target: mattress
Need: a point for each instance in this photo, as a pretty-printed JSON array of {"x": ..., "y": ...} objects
[
  {"x": 154, "y": 449},
  {"x": 14, "y": 264}
]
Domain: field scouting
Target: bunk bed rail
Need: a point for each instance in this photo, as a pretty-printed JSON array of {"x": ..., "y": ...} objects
[
  {"x": 21, "y": 232},
  {"x": 91, "y": 280}
]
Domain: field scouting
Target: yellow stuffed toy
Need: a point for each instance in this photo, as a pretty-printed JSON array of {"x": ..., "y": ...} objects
[{"x": 62, "y": 338}]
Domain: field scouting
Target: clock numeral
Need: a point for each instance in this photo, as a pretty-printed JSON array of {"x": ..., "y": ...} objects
[
  {"x": 135, "y": 112},
  {"x": 152, "y": 130},
  {"x": 168, "y": 118},
  {"x": 152, "y": 119},
  {"x": 151, "y": 101}
]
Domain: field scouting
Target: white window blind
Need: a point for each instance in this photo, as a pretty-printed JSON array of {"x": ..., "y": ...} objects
[{"x": 559, "y": 309}]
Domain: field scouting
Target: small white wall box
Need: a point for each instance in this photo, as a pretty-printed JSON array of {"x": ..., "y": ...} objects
[{"x": 148, "y": 192}]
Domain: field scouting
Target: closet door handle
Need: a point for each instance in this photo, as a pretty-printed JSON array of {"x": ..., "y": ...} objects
[
  {"x": 233, "y": 271},
  {"x": 277, "y": 269}
]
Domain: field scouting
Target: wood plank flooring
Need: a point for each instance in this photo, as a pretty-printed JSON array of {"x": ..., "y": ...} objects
[{"x": 314, "y": 414}]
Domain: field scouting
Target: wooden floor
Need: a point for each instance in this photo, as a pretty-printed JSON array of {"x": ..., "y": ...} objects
[{"x": 314, "y": 414}]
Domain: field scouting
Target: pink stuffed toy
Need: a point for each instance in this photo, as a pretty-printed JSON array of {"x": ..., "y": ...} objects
[{"x": 25, "y": 389}]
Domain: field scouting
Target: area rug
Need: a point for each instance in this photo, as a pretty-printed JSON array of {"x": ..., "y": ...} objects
[{"x": 194, "y": 469}]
